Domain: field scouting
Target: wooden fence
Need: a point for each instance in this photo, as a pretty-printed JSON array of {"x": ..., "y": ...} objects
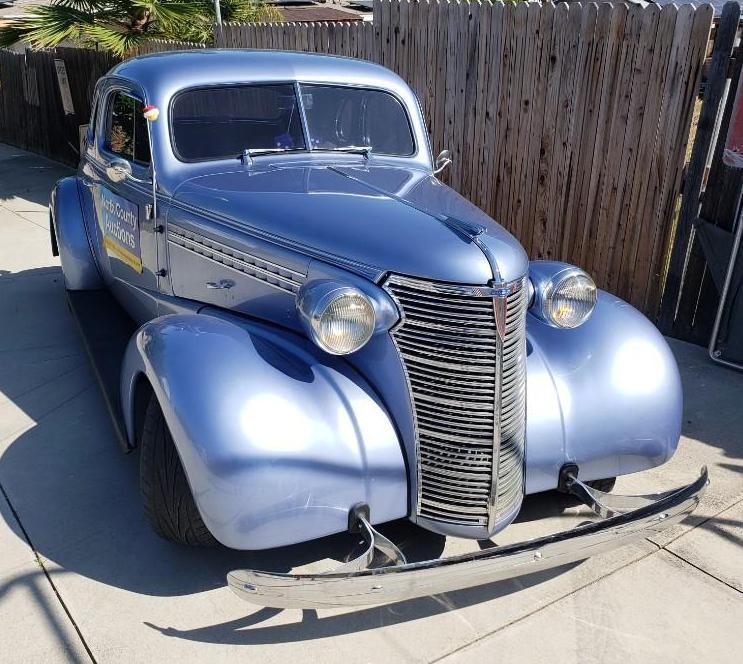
[
  {"x": 568, "y": 123},
  {"x": 32, "y": 112}
]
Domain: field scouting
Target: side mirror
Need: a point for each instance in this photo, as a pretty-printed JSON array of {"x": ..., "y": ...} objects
[
  {"x": 118, "y": 170},
  {"x": 442, "y": 161}
]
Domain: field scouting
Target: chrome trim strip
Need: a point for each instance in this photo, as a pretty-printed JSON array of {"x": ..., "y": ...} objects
[
  {"x": 372, "y": 272},
  {"x": 457, "y": 289},
  {"x": 237, "y": 260},
  {"x": 629, "y": 518},
  {"x": 230, "y": 267},
  {"x": 183, "y": 233}
]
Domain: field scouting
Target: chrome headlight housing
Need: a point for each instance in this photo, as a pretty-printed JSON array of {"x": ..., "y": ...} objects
[
  {"x": 564, "y": 299},
  {"x": 339, "y": 319}
]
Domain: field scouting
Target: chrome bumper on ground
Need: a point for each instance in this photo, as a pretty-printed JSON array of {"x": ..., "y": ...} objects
[{"x": 626, "y": 518}]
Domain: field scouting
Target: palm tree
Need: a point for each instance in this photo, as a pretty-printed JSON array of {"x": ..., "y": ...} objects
[{"x": 120, "y": 26}]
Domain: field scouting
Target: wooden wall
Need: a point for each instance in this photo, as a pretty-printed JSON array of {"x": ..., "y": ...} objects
[{"x": 568, "y": 123}]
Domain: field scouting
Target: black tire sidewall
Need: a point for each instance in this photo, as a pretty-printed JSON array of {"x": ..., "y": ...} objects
[{"x": 168, "y": 503}]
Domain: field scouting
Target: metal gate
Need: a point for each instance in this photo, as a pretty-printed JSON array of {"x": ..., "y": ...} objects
[{"x": 706, "y": 261}]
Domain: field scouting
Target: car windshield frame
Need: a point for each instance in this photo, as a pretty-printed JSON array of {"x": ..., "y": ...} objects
[{"x": 307, "y": 149}]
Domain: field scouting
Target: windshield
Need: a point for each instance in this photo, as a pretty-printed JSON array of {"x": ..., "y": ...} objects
[
  {"x": 345, "y": 117},
  {"x": 219, "y": 123},
  {"x": 223, "y": 122}
]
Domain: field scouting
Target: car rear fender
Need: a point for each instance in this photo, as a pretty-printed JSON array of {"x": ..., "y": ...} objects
[{"x": 277, "y": 439}]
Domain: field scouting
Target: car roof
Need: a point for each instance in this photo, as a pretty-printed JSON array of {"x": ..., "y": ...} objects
[{"x": 163, "y": 74}]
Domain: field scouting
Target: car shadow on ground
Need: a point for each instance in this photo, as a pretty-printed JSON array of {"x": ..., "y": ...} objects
[{"x": 77, "y": 494}]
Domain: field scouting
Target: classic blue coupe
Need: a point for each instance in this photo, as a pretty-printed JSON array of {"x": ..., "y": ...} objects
[{"x": 325, "y": 337}]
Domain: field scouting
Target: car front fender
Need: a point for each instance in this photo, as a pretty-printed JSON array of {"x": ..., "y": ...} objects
[
  {"x": 278, "y": 441},
  {"x": 71, "y": 238},
  {"x": 605, "y": 396}
]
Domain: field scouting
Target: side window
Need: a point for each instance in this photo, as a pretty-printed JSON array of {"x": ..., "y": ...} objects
[{"x": 126, "y": 132}]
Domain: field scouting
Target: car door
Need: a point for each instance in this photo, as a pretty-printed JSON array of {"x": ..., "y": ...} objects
[{"x": 122, "y": 199}]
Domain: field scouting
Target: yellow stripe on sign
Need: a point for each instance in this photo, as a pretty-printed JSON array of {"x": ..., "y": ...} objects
[{"x": 122, "y": 254}]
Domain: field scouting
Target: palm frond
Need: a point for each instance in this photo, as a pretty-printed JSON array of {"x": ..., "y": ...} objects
[
  {"x": 116, "y": 41},
  {"x": 120, "y": 26},
  {"x": 11, "y": 33},
  {"x": 47, "y": 26}
]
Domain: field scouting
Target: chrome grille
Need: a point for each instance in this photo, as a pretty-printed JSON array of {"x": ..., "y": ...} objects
[{"x": 467, "y": 386}]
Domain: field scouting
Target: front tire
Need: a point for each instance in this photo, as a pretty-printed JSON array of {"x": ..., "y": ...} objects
[{"x": 168, "y": 503}]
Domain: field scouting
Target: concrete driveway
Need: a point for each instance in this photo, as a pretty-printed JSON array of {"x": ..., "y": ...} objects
[{"x": 82, "y": 577}]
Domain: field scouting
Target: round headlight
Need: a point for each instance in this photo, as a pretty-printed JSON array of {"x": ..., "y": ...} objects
[
  {"x": 341, "y": 320},
  {"x": 569, "y": 300}
]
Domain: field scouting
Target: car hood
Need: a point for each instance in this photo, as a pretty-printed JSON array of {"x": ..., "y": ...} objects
[{"x": 385, "y": 218}]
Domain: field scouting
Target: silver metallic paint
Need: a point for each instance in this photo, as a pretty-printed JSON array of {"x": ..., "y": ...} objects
[
  {"x": 277, "y": 440},
  {"x": 78, "y": 264}
]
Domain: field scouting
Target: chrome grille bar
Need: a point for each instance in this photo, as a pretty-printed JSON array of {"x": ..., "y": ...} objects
[
  {"x": 509, "y": 482},
  {"x": 467, "y": 386}
]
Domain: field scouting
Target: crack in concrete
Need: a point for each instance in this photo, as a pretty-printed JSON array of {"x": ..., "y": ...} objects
[
  {"x": 659, "y": 548},
  {"x": 40, "y": 563},
  {"x": 702, "y": 570},
  {"x": 541, "y": 608}
]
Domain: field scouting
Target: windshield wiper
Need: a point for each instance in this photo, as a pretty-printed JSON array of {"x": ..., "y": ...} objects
[
  {"x": 249, "y": 153},
  {"x": 351, "y": 149}
]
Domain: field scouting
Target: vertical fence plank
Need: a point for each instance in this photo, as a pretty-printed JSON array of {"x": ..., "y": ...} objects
[
  {"x": 535, "y": 150},
  {"x": 477, "y": 138},
  {"x": 616, "y": 130},
  {"x": 547, "y": 137},
  {"x": 635, "y": 203},
  {"x": 647, "y": 268},
  {"x": 492, "y": 73},
  {"x": 617, "y": 210},
  {"x": 689, "y": 66}
]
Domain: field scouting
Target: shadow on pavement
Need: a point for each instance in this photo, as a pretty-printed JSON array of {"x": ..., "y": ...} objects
[
  {"x": 37, "y": 586},
  {"x": 246, "y": 631}
]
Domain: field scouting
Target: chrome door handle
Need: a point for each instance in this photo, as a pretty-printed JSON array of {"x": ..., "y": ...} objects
[{"x": 218, "y": 285}]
